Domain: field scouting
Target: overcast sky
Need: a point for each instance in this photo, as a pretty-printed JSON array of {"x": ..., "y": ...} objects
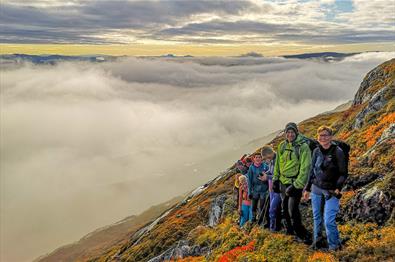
[
  {"x": 86, "y": 144},
  {"x": 289, "y": 24}
]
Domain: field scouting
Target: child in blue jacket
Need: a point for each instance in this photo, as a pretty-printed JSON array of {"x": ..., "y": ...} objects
[{"x": 257, "y": 184}]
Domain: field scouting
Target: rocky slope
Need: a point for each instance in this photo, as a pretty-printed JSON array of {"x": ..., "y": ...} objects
[{"x": 203, "y": 225}]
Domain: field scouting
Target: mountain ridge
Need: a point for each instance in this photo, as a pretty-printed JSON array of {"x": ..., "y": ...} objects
[{"x": 52, "y": 59}]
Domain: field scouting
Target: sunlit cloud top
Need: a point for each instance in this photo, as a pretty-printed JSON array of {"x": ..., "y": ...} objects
[{"x": 197, "y": 22}]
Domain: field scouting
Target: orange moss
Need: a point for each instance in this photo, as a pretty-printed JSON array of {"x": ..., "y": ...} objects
[
  {"x": 321, "y": 257},
  {"x": 375, "y": 131},
  {"x": 233, "y": 254},
  {"x": 346, "y": 196},
  {"x": 344, "y": 135},
  {"x": 368, "y": 242}
]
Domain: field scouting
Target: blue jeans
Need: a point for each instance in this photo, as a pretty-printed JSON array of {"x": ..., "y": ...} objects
[
  {"x": 245, "y": 214},
  {"x": 331, "y": 208},
  {"x": 275, "y": 211}
]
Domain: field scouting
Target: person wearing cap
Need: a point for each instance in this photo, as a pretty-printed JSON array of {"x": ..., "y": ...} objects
[{"x": 291, "y": 171}]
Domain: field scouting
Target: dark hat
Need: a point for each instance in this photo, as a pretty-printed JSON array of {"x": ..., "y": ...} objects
[{"x": 292, "y": 126}]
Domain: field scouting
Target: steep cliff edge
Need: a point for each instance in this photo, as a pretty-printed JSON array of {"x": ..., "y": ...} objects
[{"x": 203, "y": 225}]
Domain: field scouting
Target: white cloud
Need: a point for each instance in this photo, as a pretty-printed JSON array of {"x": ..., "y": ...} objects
[{"x": 92, "y": 143}]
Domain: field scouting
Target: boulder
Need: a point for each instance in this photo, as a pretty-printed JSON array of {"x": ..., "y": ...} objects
[
  {"x": 216, "y": 209},
  {"x": 376, "y": 102},
  {"x": 372, "y": 203},
  {"x": 373, "y": 76},
  {"x": 180, "y": 251}
]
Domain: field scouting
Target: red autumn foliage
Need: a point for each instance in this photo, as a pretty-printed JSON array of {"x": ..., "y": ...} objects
[{"x": 232, "y": 255}]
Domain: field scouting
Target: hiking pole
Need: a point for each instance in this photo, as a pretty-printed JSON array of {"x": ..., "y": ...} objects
[{"x": 262, "y": 215}]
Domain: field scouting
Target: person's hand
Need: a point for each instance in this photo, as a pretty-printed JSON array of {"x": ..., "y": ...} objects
[
  {"x": 263, "y": 177},
  {"x": 290, "y": 191},
  {"x": 239, "y": 211},
  {"x": 250, "y": 196},
  {"x": 276, "y": 186},
  {"x": 306, "y": 195},
  {"x": 337, "y": 194}
]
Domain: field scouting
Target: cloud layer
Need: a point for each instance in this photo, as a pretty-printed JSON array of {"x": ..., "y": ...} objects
[
  {"x": 83, "y": 145},
  {"x": 231, "y": 22}
]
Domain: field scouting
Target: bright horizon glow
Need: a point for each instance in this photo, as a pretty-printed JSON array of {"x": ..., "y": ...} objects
[
  {"x": 197, "y": 28},
  {"x": 182, "y": 50}
]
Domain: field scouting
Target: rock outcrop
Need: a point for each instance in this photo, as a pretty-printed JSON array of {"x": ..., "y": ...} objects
[
  {"x": 216, "y": 210},
  {"x": 180, "y": 251},
  {"x": 376, "y": 103},
  {"x": 374, "y": 77},
  {"x": 373, "y": 203}
]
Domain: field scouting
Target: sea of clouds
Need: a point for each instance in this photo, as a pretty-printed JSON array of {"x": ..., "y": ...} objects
[{"x": 86, "y": 144}]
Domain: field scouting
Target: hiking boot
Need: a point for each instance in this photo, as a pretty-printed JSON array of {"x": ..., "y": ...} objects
[
  {"x": 338, "y": 248},
  {"x": 290, "y": 232},
  {"x": 319, "y": 244},
  {"x": 307, "y": 241}
]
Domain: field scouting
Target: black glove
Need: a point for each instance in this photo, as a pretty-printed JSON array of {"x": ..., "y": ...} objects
[
  {"x": 291, "y": 190},
  {"x": 276, "y": 186}
]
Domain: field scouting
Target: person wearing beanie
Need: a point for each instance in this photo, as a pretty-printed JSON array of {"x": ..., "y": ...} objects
[{"x": 291, "y": 171}]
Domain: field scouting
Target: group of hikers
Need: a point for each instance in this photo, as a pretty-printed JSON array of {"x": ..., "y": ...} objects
[{"x": 270, "y": 184}]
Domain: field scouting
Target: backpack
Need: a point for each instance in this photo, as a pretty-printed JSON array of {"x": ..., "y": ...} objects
[
  {"x": 312, "y": 143},
  {"x": 346, "y": 150}
]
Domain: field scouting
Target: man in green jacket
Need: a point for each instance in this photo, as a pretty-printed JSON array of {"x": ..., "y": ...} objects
[{"x": 291, "y": 173}]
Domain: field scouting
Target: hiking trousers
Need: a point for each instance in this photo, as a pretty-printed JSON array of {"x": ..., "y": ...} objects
[
  {"x": 291, "y": 212},
  {"x": 255, "y": 203},
  {"x": 245, "y": 214},
  {"x": 275, "y": 211},
  {"x": 331, "y": 208}
]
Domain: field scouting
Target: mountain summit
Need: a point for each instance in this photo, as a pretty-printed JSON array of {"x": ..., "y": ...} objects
[{"x": 202, "y": 227}]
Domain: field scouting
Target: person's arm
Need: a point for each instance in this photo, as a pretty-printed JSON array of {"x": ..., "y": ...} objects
[
  {"x": 240, "y": 197},
  {"x": 341, "y": 163},
  {"x": 311, "y": 174},
  {"x": 276, "y": 172},
  {"x": 249, "y": 176},
  {"x": 304, "y": 168},
  {"x": 263, "y": 175}
]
